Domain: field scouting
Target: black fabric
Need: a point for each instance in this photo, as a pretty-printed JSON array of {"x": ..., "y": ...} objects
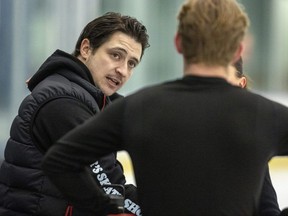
[
  {"x": 268, "y": 205},
  {"x": 68, "y": 111},
  {"x": 57, "y": 61},
  {"x": 199, "y": 146},
  {"x": 63, "y": 96},
  {"x": 284, "y": 212}
]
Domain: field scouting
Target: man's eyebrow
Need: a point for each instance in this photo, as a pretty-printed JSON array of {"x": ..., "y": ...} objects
[{"x": 125, "y": 51}]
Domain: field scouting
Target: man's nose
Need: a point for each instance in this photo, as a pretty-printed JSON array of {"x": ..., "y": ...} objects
[{"x": 123, "y": 70}]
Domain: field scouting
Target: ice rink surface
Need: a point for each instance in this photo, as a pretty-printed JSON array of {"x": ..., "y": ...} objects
[{"x": 279, "y": 177}]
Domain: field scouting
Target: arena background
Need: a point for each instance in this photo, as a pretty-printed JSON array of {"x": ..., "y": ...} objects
[{"x": 31, "y": 30}]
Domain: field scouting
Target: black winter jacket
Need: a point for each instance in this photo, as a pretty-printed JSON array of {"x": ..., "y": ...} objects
[{"x": 62, "y": 82}]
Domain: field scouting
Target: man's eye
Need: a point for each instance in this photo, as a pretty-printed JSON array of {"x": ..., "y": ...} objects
[
  {"x": 132, "y": 64},
  {"x": 115, "y": 55}
]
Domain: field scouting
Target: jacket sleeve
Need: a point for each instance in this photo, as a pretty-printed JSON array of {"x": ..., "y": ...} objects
[
  {"x": 65, "y": 161},
  {"x": 268, "y": 204},
  {"x": 55, "y": 118},
  {"x": 107, "y": 170},
  {"x": 131, "y": 203}
]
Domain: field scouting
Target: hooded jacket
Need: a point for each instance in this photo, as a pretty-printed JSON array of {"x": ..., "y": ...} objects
[{"x": 63, "y": 95}]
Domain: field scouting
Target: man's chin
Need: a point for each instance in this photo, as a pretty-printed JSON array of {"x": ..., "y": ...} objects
[{"x": 109, "y": 93}]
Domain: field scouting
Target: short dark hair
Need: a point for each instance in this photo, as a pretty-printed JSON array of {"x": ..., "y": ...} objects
[
  {"x": 99, "y": 30},
  {"x": 239, "y": 67}
]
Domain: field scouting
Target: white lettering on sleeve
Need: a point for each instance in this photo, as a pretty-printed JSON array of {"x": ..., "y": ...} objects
[
  {"x": 104, "y": 180},
  {"x": 132, "y": 207}
]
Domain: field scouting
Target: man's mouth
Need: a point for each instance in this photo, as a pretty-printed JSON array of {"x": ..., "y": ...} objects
[{"x": 114, "y": 81}]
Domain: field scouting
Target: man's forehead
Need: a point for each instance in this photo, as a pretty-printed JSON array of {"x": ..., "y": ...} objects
[{"x": 125, "y": 42}]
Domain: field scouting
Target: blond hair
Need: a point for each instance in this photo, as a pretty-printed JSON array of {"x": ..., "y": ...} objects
[{"x": 211, "y": 30}]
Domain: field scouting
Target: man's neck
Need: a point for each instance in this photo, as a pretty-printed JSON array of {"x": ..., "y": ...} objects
[{"x": 207, "y": 71}]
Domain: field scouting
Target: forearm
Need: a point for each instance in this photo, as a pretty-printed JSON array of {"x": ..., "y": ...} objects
[
  {"x": 77, "y": 186},
  {"x": 131, "y": 203},
  {"x": 113, "y": 174},
  {"x": 65, "y": 161}
]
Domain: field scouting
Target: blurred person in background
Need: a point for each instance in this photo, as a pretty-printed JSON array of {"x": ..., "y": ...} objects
[
  {"x": 268, "y": 204},
  {"x": 67, "y": 90},
  {"x": 199, "y": 145}
]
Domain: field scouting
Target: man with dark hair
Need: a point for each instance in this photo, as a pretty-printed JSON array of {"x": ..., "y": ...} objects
[
  {"x": 66, "y": 91},
  {"x": 199, "y": 145},
  {"x": 268, "y": 204}
]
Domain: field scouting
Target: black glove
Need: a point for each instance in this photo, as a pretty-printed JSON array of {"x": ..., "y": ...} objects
[
  {"x": 111, "y": 204},
  {"x": 114, "y": 204}
]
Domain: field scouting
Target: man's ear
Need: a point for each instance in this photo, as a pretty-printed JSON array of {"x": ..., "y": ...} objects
[
  {"x": 243, "y": 82},
  {"x": 85, "y": 48},
  {"x": 178, "y": 43}
]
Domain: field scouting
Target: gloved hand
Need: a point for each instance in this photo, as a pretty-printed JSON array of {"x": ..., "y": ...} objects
[
  {"x": 113, "y": 205},
  {"x": 110, "y": 204}
]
